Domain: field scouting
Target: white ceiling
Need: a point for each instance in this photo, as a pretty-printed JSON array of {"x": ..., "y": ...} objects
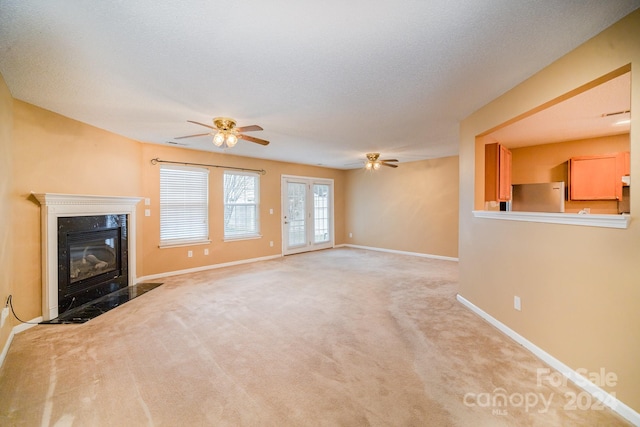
[
  {"x": 327, "y": 80},
  {"x": 594, "y": 113}
]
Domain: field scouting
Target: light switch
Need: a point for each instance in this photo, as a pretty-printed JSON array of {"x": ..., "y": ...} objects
[
  {"x": 147, "y": 201},
  {"x": 147, "y": 212}
]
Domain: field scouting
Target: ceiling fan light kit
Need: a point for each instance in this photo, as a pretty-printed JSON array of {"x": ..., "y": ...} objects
[
  {"x": 224, "y": 138},
  {"x": 375, "y": 165},
  {"x": 374, "y": 162},
  {"x": 226, "y": 133}
]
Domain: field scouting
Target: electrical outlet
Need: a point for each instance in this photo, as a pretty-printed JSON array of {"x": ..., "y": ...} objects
[
  {"x": 350, "y": 235},
  {"x": 516, "y": 303},
  {"x": 206, "y": 251},
  {"x": 189, "y": 254},
  {"x": 5, "y": 314},
  {"x": 271, "y": 243}
]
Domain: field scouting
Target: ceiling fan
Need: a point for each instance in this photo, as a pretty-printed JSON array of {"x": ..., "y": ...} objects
[
  {"x": 225, "y": 132},
  {"x": 374, "y": 162}
]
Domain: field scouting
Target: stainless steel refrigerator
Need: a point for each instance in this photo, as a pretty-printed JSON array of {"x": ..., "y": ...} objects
[{"x": 544, "y": 197}]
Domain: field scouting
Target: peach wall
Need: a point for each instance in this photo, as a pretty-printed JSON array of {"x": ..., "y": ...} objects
[
  {"x": 413, "y": 208},
  {"x": 156, "y": 260},
  {"x": 549, "y": 162},
  {"x": 52, "y": 153},
  {"x": 578, "y": 285},
  {"x": 6, "y": 179}
]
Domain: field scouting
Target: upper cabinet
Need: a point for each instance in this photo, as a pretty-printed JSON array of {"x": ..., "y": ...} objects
[
  {"x": 497, "y": 183},
  {"x": 597, "y": 177},
  {"x": 626, "y": 163}
]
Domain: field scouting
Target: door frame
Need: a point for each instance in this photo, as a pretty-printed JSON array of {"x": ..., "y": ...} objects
[{"x": 310, "y": 181}]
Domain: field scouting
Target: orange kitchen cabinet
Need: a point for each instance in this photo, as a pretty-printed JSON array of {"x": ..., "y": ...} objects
[
  {"x": 597, "y": 177},
  {"x": 626, "y": 163},
  {"x": 497, "y": 167}
]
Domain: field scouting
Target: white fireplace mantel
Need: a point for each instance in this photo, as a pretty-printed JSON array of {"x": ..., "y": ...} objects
[{"x": 55, "y": 205}]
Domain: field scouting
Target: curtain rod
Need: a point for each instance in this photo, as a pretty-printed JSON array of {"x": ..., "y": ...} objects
[{"x": 157, "y": 160}]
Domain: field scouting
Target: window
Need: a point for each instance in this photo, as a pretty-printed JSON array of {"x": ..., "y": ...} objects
[
  {"x": 184, "y": 205},
  {"x": 241, "y": 205}
]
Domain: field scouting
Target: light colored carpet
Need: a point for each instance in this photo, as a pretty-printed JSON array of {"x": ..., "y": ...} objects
[{"x": 341, "y": 337}]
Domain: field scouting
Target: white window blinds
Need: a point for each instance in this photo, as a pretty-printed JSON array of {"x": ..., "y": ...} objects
[
  {"x": 241, "y": 205},
  {"x": 184, "y": 205}
]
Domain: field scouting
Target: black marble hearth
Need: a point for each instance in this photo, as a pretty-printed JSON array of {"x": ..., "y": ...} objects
[{"x": 101, "y": 305}]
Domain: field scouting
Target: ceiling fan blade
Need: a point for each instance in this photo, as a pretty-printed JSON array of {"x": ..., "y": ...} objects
[
  {"x": 249, "y": 128},
  {"x": 191, "y": 136},
  {"x": 202, "y": 124},
  {"x": 391, "y": 165},
  {"x": 253, "y": 139},
  {"x": 390, "y": 160}
]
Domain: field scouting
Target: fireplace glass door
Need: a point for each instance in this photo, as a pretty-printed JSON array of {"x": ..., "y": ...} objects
[{"x": 92, "y": 254}]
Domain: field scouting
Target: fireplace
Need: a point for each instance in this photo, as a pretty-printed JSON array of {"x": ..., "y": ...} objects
[
  {"x": 92, "y": 258},
  {"x": 88, "y": 248}
]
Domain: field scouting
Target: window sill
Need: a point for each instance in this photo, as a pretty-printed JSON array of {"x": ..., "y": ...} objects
[
  {"x": 235, "y": 239},
  {"x": 588, "y": 220},
  {"x": 165, "y": 245}
]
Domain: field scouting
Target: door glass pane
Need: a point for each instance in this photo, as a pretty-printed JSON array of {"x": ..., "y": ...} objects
[
  {"x": 297, "y": 202},
  {"x": 320, "y": 213}
]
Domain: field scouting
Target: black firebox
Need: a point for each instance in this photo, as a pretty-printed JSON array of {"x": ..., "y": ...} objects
[{"x": 92, "y": 258}]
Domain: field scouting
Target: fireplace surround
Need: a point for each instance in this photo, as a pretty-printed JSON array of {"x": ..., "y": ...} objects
[{"x": 95, "y": 261}]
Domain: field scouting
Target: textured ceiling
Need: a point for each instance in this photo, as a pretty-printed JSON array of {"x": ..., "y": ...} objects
[{"x": 328, "y": 81}]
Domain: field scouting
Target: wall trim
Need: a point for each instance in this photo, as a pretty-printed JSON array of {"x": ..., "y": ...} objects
[
  {"x": 610, "y": 401},
  {"x": 393, "y": 251},
  {"x": 205, "y": 267},
  {"x": 16, "y": 330}
]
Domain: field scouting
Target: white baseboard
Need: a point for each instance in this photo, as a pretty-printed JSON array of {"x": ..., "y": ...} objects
[
  {"x": 5, "y": 350},
  {"x": 16, "y": 330},
  {"x": 611, "y": 401},
  {"x": 204, "y": 268},
  {"x": 393, "y": 251}
]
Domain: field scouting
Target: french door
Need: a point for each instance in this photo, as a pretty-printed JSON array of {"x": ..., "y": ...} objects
[{"x": 307, "y": 209}]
